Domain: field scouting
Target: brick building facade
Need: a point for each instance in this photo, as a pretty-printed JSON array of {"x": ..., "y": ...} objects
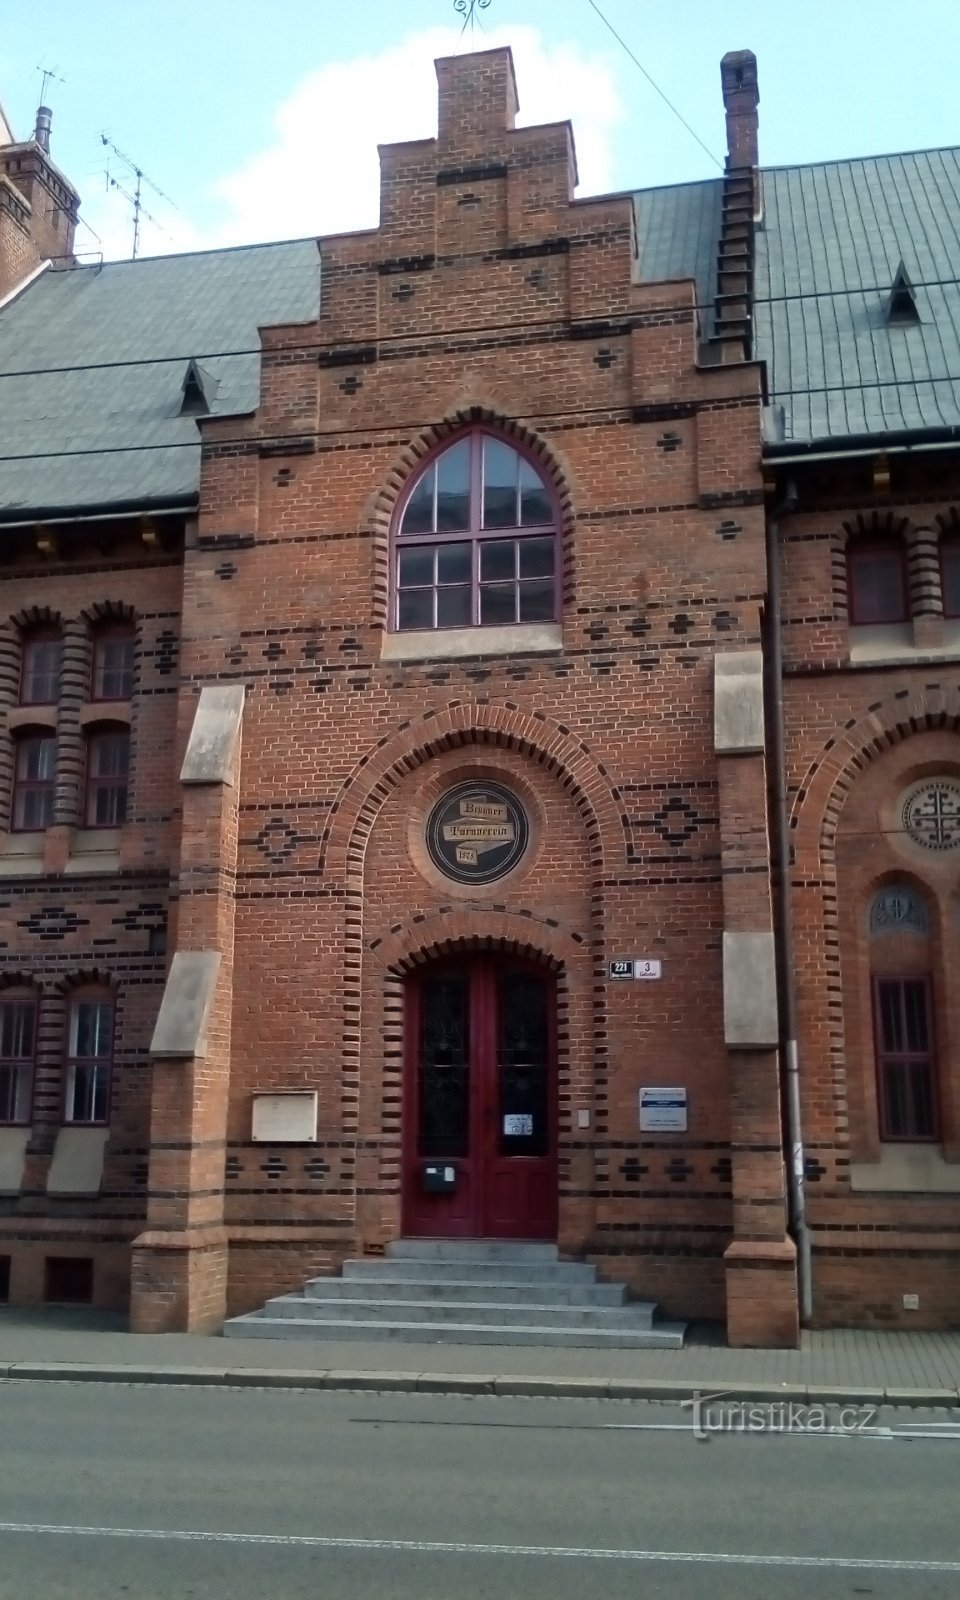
[{"x": 508, "y": 614}]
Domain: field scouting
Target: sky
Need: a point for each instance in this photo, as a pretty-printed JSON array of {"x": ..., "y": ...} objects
[{"x": 261, "y": 121}]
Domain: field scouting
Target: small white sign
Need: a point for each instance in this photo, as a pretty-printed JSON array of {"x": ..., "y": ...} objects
[
  {"x": 289, "y": 1117},
  {"x": 518, "y": 1127},
  {"x": 647, "y": 967},
  {"x": 663, "y": 1110}
]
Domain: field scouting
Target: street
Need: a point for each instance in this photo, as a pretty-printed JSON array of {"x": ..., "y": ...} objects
[{"x": 179, "y": 1493}]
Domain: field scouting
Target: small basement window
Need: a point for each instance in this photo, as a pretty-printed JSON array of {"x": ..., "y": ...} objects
[{"x": 68, "y": 1280}]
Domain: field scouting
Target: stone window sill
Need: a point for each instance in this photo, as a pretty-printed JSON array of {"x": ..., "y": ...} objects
[
  {"x": 893, "y": 646},
  {"x": 447, "y": 644},
  {"x": 907, "y": 1169},
  {"x": 94, "y": 850}
]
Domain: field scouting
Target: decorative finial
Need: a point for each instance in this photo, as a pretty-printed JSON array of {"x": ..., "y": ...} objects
[{"x": 467, "y": 10}]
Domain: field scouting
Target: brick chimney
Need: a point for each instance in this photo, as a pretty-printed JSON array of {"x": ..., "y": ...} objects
[
  {"x": 741, "y": 96},
  {"x": 38, "y": 207},
  {"x": 477, "y": 99}
]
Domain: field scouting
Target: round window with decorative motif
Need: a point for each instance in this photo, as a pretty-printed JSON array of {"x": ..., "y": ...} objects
[
  {"x": 477, "y": 832},
  {"x": 931, "y": 813}
]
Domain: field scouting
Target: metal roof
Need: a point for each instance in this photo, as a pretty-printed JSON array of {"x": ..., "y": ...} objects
[
  {"x": 827, "y": 255},
  {"x": 92, "y": 364},
  {"x": 678, "y": 232}
]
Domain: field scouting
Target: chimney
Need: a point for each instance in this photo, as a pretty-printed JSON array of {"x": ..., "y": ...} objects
[
  {"x": 741, "y": 96},
  {"x": 477, "y": 100},
  {"x": 41, "y": 132}
]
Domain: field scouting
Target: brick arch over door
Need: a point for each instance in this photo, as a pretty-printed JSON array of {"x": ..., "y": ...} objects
[
  {"x": 378, "y": 522},
  {"x": 355, "y": 811},
  {"x": 815, "y": 821}
]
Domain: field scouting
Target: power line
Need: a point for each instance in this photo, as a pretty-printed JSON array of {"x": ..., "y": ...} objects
[{"x": 653, "y": 84}]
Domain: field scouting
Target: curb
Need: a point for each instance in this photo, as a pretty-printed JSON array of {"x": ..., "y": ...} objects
[{"x": 460, "y": 1383}]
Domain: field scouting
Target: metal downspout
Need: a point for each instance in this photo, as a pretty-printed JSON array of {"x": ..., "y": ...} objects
[{"x": 790, "y": 1060}]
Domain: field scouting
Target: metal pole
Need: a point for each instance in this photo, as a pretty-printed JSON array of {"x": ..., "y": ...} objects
[{"x": 791, "y": 1053}]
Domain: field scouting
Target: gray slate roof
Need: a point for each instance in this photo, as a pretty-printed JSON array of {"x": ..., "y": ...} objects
[
  {"x": 92, "y": 361},
  {"x": 832, "y": 240}
]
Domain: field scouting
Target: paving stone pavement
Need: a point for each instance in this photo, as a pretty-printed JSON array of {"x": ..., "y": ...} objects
[{"x": 60, "y": 1342}]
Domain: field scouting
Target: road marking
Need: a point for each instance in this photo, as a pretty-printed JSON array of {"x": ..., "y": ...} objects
[{"x": 450, "y": 1547}]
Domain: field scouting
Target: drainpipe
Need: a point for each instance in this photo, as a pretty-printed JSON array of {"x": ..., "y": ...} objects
[{"x": 791, "y": 1056}]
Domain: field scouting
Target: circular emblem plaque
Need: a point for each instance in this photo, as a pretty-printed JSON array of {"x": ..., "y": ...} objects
[
  {"x": 477, "y": 832},
  {"x": 931, "y": 814}
]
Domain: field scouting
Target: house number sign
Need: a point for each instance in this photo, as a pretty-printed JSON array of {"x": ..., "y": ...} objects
[{"x": 477, "y": 832}]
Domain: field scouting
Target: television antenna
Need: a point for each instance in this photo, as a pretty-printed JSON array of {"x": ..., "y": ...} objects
[{"x": 133, "y": 191}]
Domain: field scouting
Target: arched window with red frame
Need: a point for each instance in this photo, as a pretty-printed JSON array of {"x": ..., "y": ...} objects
[
  {"x": 114, "y": 647},
  {"x": 876, "y": 582},
  {"x": 40, "y": 657},
  {"x": 34, "y": 780},
  {"x": 475, "y": 539},
  {"x": 88, "y": 1067},
  {"x": 108, "y": 776},
  {"x": 18, "y": 1049}
]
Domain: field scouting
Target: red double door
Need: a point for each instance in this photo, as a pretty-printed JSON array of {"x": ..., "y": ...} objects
[{"x": 480, "y": 1150}]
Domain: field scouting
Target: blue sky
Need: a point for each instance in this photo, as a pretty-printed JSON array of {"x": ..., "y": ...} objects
[{"x": 261, "y": 121}]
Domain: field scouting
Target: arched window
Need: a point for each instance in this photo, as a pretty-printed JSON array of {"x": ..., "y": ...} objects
[
  {"x": 40, "y": 667},
  {"x": 108, "y": 768},
  {"x": 903, "y": 1020},
  {"x": 475, "y": 541},
  {"x": 34, "y": 778},
  {"x": 18, "y": 1044},
  {"x": 876, "y": 582},
  {"x": 89, "y": 1061},
  {"x": 114, "y": 645}
]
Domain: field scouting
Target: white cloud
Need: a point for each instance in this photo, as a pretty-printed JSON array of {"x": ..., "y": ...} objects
[{"x": 320, "y": 174}]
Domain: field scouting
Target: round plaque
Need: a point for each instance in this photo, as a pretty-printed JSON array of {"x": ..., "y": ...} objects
[
  {"x": 477, "y": 832},
  {"x": 931, "y": 814}
]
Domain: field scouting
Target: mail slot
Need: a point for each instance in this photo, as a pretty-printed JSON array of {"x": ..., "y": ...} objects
[{"x": 440, "y": 1179}]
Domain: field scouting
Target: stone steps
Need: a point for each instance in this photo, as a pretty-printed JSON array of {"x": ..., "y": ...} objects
[{"x": 464, "y": 1291}]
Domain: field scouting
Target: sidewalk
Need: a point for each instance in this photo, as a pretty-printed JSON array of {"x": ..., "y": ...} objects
[{"x": 896, "y": 1368}]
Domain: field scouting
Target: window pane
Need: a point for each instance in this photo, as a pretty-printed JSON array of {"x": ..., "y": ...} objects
[
  {"x": 498, "y": 559},
  {"x": 876, "y": 586},
  {"x": 33, "y": 810},
  {"x": 498, "y": 604},
  {"x": 453, "y": 607},
  {"x": 15, "y": 1085},
  {"x": 453, "y": 563},
  {"x": 536, "y": 558},
  {"x": 537, "y": 601},
  {"x": 110, "y": 755},
  {"x": 500, "y": 474},
  {"x": 535, "y": 507},
  {"x": 37, "y": 761},
  {"x": 16, "y": 1029},
  {"x": 418, "y": 517},
  {"x": 891, "y": 1030},
  {"x": 950, "y": 577},
  {"x": 40, "y": 682},
  {"x": 915, "y": 1017},
  {"x": 416, "y": 565},
  {"x": 453, "y": 488},
  {"x": 415, "y": 608},
  {"x": 91, "y": 1028}
]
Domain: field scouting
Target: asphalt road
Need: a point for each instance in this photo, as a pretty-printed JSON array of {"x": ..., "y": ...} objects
[{"x": 125, "y": 1493}]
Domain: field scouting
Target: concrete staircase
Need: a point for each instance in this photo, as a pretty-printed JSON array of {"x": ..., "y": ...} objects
[{"x": 464, "y": 1291}]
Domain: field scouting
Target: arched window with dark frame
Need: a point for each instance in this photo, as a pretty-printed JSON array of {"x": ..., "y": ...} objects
[
  {"x": 18, "y": 1047},
  {"x": 903, "y": 1017},
  {"x": 876, "y": 582},
  {"x": 114, "y": 646},
  {"x": 34, "y": 780},
  {"x": 108, "y": 776},
  {"x": 41, "y": 652},
  {"x": 475, "y": 539},
  {"x": 89, "y": 1057}
]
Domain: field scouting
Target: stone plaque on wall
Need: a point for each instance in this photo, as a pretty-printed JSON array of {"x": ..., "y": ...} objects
[{"x": 477, "y": 832}]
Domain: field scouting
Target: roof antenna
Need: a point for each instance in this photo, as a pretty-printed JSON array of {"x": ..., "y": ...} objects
[
  {"x": 41, "y": 132},
  {"x": 139, "y": 179},
  {"x": 467, "y": 9}
]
